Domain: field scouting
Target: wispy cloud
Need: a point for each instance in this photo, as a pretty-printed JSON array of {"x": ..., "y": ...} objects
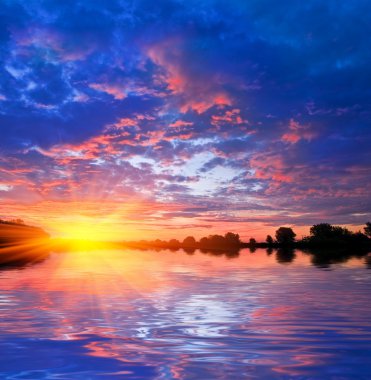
[{"x": 209, "y": 114}]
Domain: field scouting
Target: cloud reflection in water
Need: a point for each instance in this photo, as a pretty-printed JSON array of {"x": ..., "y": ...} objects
[{"x": 167, "y": 315}]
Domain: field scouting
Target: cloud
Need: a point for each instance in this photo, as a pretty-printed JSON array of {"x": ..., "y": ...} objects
[
  {"x": 113, "y": 90},
  {"x": 297, "y": 132},
  {"x": 193, "y": 107},
  {"x": 193, "y": 92}
]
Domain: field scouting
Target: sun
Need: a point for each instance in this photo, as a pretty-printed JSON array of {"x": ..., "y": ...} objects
[
  {"x": 87, "y": 231},
  {"x": 83, "y": 232},
  {"x": 91, "y": 224}
]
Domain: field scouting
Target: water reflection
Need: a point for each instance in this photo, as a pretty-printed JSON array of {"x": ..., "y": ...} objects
[
  {"x": 35, "y": 251},
  {"x": 97, "y": 314},
  {"x": 285, "y": 255},
  {"x": 22, "y": 254}
]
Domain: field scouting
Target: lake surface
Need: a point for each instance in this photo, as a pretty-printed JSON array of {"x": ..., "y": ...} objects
[{"x": 111, "y": 314}]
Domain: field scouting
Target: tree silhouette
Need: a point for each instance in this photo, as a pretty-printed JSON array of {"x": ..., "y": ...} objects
[
  {"x": 285, "y": 235},
  {"x": 232, "y": 239},
  {"x": 189, "y": 241},
  {"x": 174, "y": 243},
  {"x": 321, "y": 231},
  {"x": 367, "y": 229},
  {"x": 252, "y": 241},
  {"x": 229, "y": 241},
  {"x": 269, "y": 240},
  {"x": 17, "y": 221},
  {"x": 325, "y": 231},
  {"x": 13, "y": 222}
]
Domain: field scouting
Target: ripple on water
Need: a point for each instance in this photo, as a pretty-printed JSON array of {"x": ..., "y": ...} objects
[{"x": 165, "y": 315}]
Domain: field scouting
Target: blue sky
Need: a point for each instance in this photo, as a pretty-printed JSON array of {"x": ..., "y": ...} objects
[{"x": 185, "y": 115}]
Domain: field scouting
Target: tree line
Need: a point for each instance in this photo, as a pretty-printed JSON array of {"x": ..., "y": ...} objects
[
  {"x": 13, "y": 222},
  {"x": 323, "y": 234},
  {"x": 227, "y": 241},
  {"x": 15, "y": 230}
]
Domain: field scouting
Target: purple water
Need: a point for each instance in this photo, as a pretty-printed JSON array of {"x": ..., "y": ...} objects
[{"x": 172, "y": 315}]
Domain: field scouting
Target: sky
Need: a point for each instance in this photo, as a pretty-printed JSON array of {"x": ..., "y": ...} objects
[{"x": 129, "y": 119}]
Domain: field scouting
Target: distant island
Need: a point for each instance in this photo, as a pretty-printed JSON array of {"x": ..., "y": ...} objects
[
  {"x": 21, "y": 244},
  {"x": 16, "y": 231}
]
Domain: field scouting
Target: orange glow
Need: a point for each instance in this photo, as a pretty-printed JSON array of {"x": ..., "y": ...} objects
[
  {"x": 88, "y": 230},
  {"x": 136, "y": 220},
  {"x": 33, "y": 250}
]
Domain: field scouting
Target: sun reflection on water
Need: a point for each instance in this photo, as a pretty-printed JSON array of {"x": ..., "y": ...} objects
[{"x": 104, "y": 312}]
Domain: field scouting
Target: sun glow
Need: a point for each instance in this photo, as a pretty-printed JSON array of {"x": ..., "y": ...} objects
[
  {"x": 84, "y": 231},
  {"x": 93, "y": 220},
  {"x": 91, "y": 229}
]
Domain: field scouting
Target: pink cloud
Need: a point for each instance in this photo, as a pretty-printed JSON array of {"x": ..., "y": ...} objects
[
  {"x": 297, "y": 132},
  {"x": 181, "y": 123},
  {"x": 193, "y": 93},
  {"x": 271, "y": 166},
  {"x": 231, "y": 117},
  {"x": 125, "y": 122},
  {"x": 114, "y": 90},
  {"x": 209, "y": 100}
]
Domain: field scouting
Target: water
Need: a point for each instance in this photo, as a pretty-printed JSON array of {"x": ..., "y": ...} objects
[{"x": 112, "y": 314}]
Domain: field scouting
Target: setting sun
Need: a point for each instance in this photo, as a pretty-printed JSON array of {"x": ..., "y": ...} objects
[
  {"x": 89, "y": 230},
  {"x": 82, "y": 231}
]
